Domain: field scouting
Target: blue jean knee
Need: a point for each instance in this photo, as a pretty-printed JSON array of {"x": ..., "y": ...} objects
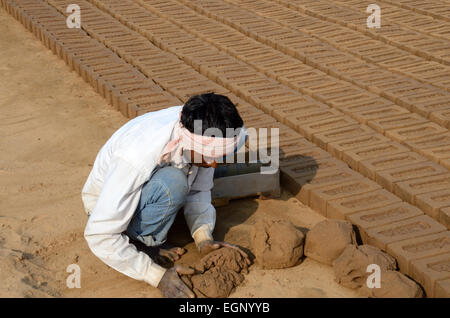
[{"x": 161, "y": 198}]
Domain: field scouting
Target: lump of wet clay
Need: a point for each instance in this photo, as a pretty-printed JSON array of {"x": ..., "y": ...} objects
[
  {"x": 276, "y": 243},
  {"x": 350, "y": 268},
  {"x": 327, "y": 239},
  {"x": 393, "y": 285},
  {"x": 217, "y": 274}
]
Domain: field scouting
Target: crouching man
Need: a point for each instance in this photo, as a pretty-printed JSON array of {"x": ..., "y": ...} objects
[{"x": 151, "y": 167}]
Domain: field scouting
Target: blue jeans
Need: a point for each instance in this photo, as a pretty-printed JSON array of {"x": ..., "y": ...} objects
[{"x": 161, "y": 198}]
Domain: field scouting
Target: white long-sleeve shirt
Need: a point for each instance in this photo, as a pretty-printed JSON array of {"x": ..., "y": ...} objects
[{"x": 112, "y": 192}]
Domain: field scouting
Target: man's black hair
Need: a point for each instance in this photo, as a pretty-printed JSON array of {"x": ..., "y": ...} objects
[{"x": 214, "y": 110}]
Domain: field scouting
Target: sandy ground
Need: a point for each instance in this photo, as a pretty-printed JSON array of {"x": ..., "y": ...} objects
[{"x": 52, "y": 126}]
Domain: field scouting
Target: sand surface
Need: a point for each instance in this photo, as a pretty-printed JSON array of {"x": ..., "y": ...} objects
[{"x": 53, "y": 125}]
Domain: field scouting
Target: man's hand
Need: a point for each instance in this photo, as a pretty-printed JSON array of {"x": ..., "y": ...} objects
[
  {"x": 171, "y": 285},
  {"x": 206, "y": 247}
]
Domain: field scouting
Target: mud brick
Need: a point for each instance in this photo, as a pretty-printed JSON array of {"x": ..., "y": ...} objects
[
  {"x": 320, "y": 196},
  {"x": 325, "y": 84},
  {"x": 432, "y": 203},
  {"x": 152, "y": 71},
  {"x": 268, "y": 65},
  {"x": 337, "y": 148},
  {"x": 259, "y": 120},
  {"x": 158, "y": 62},
  {"x": 95, "y": 74},
  {"x": 442, "y": 289},
  {"x": 400, "y": 95},
  {"x": 390, "y": 177},
  {"x": 429, "y": 96},
  {"x": 303, "y": 149},
  {"x": 354, "y": 156},
  {"x": 276, "y": 135},
  {"x": 318, "y": 59},
  {"x": 419, "y": 248},
  {"x": 301, "y": 185},
  {"x": 113, "y": 87},
  {"x": 421, "y": 144},
  {"x": 139, "y": 90},
  {"x": 330, "y": 95},
  {"x": 371, "y": 167},
  {"x": 381, "y": 125},
  {"x": 414, "y": 132},
  {"x": 308, "y": 166},
  {"x": 74, "y": 60},
  {"x": 177, "y": 81},
  {"x": 442, "y": 117},
  {"x": 187, "y": 90},
  {"x": 302, "y": 116},
  {"x": 204, "y": 64},
  {"x": 90, "y": 75},
  {"x": 382, "y": 216},
  {"x": 324, "y": 138},
  {"x": 444, "y": 217},
  {"x": 90, "y": 67},
  {"x": 257, "y": 85},
  {"x": 363, "y": 102},
  {"x": 110, "y": 84},
  {"x": 426, "y": 107},
  {"x": 438, "y": 154},
  {"x": 166, "y": 80},
  {"x": 298, "y": 76},
  {"x": 274, "y": 89},
  {"x": 163, "y": 101},
  {"x": 428, "y": 271},
  {"x": 125, "y": 101},
  {"x": 342, "y": 208},
  {"x": 247, "y": 111},
  {"x": 379, "y": 113},
  {"x": 327, "y": 124},
  {"x": 232, "y": 74},
  {"x": 288, "y": 114},
  {"x": 338, "y": 68},
  {"x": 272, "y": 96},
  {"x": 408, "y": 190},
  {"x": 418, "y": 226}
]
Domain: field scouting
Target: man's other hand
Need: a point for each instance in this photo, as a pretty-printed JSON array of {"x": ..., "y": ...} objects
[{"x": 171, "y": 285}]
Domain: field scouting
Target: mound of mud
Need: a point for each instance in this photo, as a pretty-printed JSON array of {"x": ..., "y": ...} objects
[
  {"x": 217, "y": 274},
  {"x": 393, "y": 285},
  {"x": 350, "y": 268},
  {"x": 327, "y": 239},
  {"x": 276, "y": 243}
]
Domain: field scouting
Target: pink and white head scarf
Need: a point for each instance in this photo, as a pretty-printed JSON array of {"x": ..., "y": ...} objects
[{"x": 210, "y": 147}]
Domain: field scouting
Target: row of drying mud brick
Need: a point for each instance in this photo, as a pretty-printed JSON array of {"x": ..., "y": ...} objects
[
  {"x": 268, "y": 94},
  {"x": 122, "y": 85},
  {"x": 316, "y": 161},
  {"x": 358, "y": 104},
  {"x": 346, "y": 39},
  {"x": 318, "y": 126},
  {"x": 353, "y": 15},
  {"x": 395, "y": 14},
  {"x": 436, "y": 9},
  {"x": 373, "y": 80}
]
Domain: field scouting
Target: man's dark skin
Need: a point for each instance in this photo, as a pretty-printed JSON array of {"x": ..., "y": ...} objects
[{"x": 171, "y": 286}]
